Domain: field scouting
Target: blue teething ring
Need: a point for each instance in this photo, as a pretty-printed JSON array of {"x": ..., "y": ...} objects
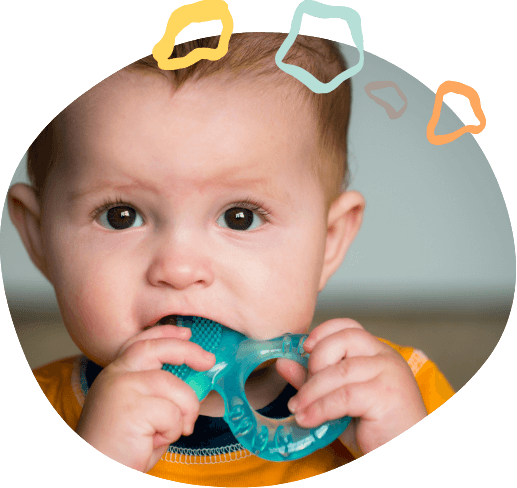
[{"x": 236, "y": 358}]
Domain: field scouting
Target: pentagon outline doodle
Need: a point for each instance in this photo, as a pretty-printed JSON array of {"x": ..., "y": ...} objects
[{"x": 322, "y": 11}]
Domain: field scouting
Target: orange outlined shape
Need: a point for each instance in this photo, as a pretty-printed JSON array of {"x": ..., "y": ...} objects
[
  {"x": 475, "y": 103},
  {"x": 202, "y": 11}
]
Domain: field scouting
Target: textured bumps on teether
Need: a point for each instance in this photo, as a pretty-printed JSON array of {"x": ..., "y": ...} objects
[
  {"x": 236, "y": 357},
  {"x": 205, "y": 333}
]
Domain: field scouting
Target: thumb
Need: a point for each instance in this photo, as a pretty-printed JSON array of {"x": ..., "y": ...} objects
[{"x": 291, "y": 371}]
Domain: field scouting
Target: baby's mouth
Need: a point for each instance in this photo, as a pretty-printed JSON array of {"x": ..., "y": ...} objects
[{"x": 167, "y": 320}]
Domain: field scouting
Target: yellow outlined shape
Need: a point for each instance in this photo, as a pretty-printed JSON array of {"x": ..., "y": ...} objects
[
  {"x": 475, "y": 103},
  {"x": 202, "y": 11}
]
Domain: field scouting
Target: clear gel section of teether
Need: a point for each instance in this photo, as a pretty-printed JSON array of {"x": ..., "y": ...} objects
[{"x": 271, "y": 439}]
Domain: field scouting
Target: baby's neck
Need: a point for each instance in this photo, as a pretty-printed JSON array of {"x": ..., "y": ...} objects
[{"x": 262, "y": 387}]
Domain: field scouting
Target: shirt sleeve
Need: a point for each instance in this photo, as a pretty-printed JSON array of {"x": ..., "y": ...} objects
[{"x": 434, "y": 387}]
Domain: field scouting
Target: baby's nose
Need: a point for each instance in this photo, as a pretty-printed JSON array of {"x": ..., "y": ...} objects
[{"x": 180, "y": 261}]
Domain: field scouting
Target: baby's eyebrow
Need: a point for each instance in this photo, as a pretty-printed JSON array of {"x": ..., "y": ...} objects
[
  {"x": 103, "y": 185},
  {"x": 261, "y": 186}
]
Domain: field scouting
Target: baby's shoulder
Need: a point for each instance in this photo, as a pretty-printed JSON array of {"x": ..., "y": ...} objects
[
  {"x": 61, "y": 384},
  {"x": 55, "y": 370}
]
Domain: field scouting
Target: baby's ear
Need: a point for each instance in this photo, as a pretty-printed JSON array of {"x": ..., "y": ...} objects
[
  {"x": 25, "y": 213},
  {"x": 344, "y": 220}
]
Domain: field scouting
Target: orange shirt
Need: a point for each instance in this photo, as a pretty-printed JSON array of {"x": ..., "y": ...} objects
[{"x": 61, "y": 383}]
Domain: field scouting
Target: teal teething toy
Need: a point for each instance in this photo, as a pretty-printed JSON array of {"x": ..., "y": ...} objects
[{"x": 236, "y": 358}]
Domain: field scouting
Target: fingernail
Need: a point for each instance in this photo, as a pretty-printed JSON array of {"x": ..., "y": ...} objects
[
  {"x": 209, "y": 359},
  {"x": 292, "y": 405},
  {"x": 301, "y": 416}
]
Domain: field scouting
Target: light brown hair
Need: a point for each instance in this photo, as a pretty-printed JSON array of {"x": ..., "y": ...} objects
[{"x": 250, "y": 56}]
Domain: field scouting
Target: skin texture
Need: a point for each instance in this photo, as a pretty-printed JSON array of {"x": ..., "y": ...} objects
[{"x": 181, "y": 159}]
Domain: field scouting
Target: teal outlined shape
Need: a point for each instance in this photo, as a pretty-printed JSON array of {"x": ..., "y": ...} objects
[{"x": 322, "y": 11}]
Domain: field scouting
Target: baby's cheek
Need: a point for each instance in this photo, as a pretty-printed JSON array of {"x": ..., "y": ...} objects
[{"x": 99, "y": 307}]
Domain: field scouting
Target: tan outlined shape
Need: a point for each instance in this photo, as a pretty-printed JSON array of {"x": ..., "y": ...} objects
[
  {"x": 475, "y": 103},
  {"x": 202, "y": 11},
  {"x": 377, "y": 85}
]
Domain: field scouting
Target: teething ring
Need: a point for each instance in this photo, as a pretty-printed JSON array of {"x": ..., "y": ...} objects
[
  {"x": 236, "y": 358},
  {"x": 273, "y": 439}
]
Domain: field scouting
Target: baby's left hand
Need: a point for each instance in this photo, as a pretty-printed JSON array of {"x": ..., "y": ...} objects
[{"x": 352, "y": 373}]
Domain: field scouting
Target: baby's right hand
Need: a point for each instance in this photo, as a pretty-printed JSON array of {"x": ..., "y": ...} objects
[{"x": 134, "y": 409}]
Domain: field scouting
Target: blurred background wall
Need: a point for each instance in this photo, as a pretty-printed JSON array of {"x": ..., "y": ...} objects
[{"x": 433, "y": 265}]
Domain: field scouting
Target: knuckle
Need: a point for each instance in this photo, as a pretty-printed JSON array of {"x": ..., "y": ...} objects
[
  {"x": 332, "y": 405},
  {"x": 120, "y": 382},
  {"x": 342, "y": 369},
  {"x": 122, "y": 379},
  {"x": 342, "y": 396},
  {"x": 334, "y": 325},
  {"x": 175, "y": 384},
  {"x": 174, "y": 422},
  {"x": 357, "y": 333},
  {"x": 317, "y": 411},
  {"x": 346, "y": 326},
  {"x": 313, "y": 364},
  {"x": 175, "y": 415},
  {"x": 394, "y": 362},
  {"x": 351, "y": 323},
  {"x": 341, "y": 400},
  {"x": 176, "y": 419},
  {"x": 139, "y": 348}
]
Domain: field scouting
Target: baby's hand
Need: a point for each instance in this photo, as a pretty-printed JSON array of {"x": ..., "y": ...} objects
[
  {"x": 351, "y": 372},
  {"x": 134, "y": 409}
]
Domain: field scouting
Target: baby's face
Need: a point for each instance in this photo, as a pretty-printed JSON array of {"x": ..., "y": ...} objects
[{"x": 194, "y": 202}]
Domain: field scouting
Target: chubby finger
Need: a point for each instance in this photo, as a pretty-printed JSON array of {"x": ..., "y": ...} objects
[
  {"x": 343, "y": 344},
  {"x": 291, "y": 371},
  {"x": 353, "y": 370},
  {"x": 328, "y": 328},
  {"x": 353, "y": 399},
  {"x": 163, "y": 417},
  {"x": 158, "y": 332},
  {"x": 153, "y": 353},
  {"x": 163, "y": 384}
]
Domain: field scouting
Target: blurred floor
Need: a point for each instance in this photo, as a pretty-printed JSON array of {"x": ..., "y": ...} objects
[{"x": 458, "y": 343}]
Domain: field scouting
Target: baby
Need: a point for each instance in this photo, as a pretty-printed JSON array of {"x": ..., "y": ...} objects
[{"x": 219, "y": 191}]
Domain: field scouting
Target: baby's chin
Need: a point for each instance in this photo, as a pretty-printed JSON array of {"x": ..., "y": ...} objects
[{"x": 101, "y": 361}]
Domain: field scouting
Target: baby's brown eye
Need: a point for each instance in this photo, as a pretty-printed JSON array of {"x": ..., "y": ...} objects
[
  {"x": 239, "y": 218},
  {"x": 121, "y": 217}
]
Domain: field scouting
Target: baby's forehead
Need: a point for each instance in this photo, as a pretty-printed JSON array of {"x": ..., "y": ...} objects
[
  {"x": 127, "y": 91},
  {"x": 149, "y": 83},
  {"x": 107, "y": 121}
]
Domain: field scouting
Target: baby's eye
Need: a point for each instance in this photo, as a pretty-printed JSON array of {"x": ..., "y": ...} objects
[
  {"x": 120, "y": 217},
  {"x": 240, "y": 218}
]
